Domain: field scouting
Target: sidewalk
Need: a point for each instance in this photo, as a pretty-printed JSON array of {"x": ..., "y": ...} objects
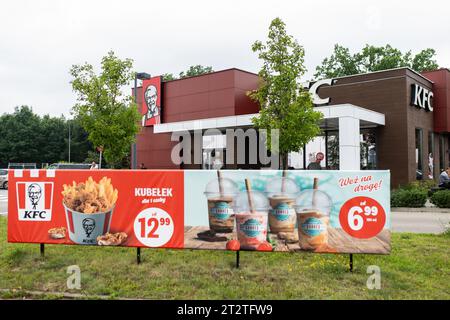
[{"x": 420, "y": 220}]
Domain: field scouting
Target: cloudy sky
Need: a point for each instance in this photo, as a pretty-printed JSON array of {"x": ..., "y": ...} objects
[{"x": 41, "y": 39}]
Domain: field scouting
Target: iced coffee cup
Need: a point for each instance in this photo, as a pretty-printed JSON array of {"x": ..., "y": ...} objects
[
  {"x": 251, "y": 219},
  {"x": 313, "y": 216},
  {"x": 219, "y": 194},
  {"x": 281, "y": 192}
]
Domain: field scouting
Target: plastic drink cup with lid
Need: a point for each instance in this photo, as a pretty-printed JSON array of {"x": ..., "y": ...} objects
[
  {"x": 282, "y": 192},
  {"x": 220, "y": 193},
  {"x": 313, "y": 216},
  {"x": 251, "y": 209}
]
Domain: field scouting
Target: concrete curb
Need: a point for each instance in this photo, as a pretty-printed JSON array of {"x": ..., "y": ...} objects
[
  {"x": 423, "y": 210},
  {"x": 62, "y": 295}
]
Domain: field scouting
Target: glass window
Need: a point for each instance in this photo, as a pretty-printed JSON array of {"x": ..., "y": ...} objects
[
  {"x": 431, "y": 155},
  {"x": 295, "y": 159},
  {"x": 419, "y": 154},
  {"x": 214, "y": 151},
  {"x": 332, "y": 154},
  {"x": 313, "y": 148},
  {"x": 441, "y": 154},
  {"x": 368, "y": 150}
]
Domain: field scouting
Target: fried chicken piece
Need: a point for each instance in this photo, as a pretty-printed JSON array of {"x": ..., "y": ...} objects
[
  {"x": 112, "y": 239},
  {"x": 57, "y": 233}
]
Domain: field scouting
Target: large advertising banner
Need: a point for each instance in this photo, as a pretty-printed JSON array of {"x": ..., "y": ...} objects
[{"x": 264, "y": 210}]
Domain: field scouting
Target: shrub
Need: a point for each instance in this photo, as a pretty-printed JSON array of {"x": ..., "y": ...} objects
[
  {"x": 420, "y": 185},
  {"x": 412, "y": 198},
  {"x": 441, "y": 198}
]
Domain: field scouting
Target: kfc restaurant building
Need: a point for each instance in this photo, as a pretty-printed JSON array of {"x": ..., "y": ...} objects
[{"x": 394, "y": 119}]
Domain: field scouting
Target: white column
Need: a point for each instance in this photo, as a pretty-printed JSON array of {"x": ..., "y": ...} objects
[{"x": 349, "y": 148}]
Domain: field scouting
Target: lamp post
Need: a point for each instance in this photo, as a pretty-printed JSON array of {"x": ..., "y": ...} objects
[
  {"x": 68, "y": 122},
  {"x": 140, "y": 76}
]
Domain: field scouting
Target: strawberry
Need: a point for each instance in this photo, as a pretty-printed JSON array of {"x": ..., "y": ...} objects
[
  {"x": 233, "y": 245},
  {"x": 265, "y": 246}
]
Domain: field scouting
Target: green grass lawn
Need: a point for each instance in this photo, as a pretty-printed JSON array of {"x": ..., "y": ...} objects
[{"x": 418, "y": 268}]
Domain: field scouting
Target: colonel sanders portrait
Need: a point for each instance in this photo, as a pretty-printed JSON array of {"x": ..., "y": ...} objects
[
  {"x": 151, "y": 95},
  {"x": 88, "y": 226},
  {"x": 34, "y": 194}
]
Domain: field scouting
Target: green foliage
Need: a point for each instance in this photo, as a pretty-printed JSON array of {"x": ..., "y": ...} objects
[
  {"x": 190, "y": 72},
  {"x": 195, "y": 71},
  {"x": 168, "y": 77},
  {"x": 372, "y": 58},
  {"x": 93, "y": 156},
  {"x": 79, "y": 143},
  {"x": 441, "y": 198},
  {"x": 110, "y": 118},
  {"x": 423, "y": 185},
  {"x": 285, "y": 105},
  {"x": 412, "y": 198},
  {"x": 423, "y": 61},
  {"x": 27, "y": 137}
]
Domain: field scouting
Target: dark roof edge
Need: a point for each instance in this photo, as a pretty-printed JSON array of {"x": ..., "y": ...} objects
[
  {"x": 386, "y": 70},
  {"x": 446, "y": 69}
]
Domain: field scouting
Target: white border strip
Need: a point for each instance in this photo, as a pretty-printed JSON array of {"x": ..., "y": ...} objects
[
  {"x": 18, "y": 173},
  {"x": 50, "y": 173}
]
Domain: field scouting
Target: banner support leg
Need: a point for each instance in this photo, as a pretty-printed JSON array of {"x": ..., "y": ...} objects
[
  {"x": 138, "y": 255},
  {"x": 351, "y": 262},
  {"x": 237, "y": 259},
  {"x": 42, "y": 249}
]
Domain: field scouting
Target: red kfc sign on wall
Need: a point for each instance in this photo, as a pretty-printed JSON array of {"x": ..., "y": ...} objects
[{"x": 151, "y": 101}]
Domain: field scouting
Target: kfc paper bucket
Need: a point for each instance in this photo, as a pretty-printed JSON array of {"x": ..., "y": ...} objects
[
  {"x": 89, "y": 207},
  {"x": 85, "y": 228}
]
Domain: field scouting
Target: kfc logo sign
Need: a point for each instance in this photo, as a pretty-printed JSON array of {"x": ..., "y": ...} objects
[
  {"x": 151, "y": 101},
  {"x": 34, "y": 201},
  {"x": 421, "y": 97}
]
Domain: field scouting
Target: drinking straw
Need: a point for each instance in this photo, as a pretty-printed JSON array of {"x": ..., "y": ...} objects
[
  {"x": 248, "y": 186},
  {"x": 283, "y": 184},
  {"x": 219, "y": 177},
  {"x": 315, "y": 187}
]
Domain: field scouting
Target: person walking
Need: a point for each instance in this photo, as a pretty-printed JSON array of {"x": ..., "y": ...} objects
[{"x": 94, "y": 166}]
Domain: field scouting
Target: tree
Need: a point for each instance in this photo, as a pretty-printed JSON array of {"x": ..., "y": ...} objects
[
  {"x": 372, "y": 58},
  {"x": 80, "y": 146},
  {"x": 340, "y": 63},
  {"x": 52, "y": 142},
  {"x": 110, "y": 117},
  {"x": 190, "y": 72},
  {"x": 285, "y": 105},
  {"x": 27, "y": 137},
  {"x": 423, "y": 61},
  {"x": 20, "y": 136},
  {"x": 195, "y": 71},
  {"x": 168, "y": 77}
]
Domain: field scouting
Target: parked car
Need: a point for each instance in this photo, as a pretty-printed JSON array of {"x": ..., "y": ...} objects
[
  {"x": 13, "y": 165},
  {"x": 4, "y": 178},
  {"x": 81, "y": 166}
]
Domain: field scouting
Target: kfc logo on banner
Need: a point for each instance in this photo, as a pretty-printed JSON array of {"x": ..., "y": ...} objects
[
  {"x": 151, "y": 101},
  {"x": 34, "y": 201}
]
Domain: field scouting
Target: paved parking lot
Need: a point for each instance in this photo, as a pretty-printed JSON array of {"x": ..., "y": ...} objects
[{"x": 3, "y": 201}]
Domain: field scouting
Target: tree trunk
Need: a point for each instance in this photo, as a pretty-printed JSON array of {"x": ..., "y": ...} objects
[{"x": 284, "y": 161}]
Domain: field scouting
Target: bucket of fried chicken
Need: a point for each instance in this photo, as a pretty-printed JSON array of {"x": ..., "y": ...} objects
[{"x": 89, "y": 207}]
